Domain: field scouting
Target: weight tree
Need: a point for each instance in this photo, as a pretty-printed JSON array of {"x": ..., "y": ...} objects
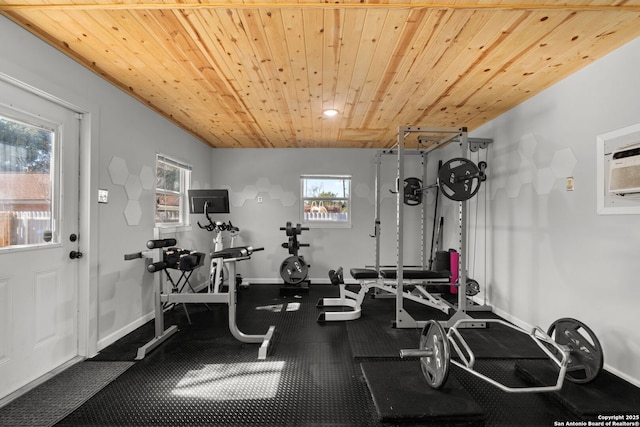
[{"x": 431, "y": 138}]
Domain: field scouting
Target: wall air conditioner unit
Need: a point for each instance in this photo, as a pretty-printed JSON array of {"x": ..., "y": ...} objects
[{"x": 624, "y": 173}]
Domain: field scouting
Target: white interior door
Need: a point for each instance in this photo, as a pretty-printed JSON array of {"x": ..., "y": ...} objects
[{"x": 38, "y": 216}]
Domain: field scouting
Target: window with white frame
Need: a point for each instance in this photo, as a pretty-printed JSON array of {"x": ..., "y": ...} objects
[
  {"x": 326, "y": 200},
  {"x": 173, "y": 180}
]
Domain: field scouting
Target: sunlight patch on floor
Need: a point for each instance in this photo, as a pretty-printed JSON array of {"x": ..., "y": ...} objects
[{"x": 232, "y": 381}]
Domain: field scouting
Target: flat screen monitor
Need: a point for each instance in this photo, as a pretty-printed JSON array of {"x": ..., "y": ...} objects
[{"x": 217, "y": 201}]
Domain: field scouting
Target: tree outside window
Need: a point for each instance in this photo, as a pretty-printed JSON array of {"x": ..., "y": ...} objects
[
  {"x": 26, "y": 210},
  {"x": 326, "y": 199},
  {"x": 173, "y": 180}
]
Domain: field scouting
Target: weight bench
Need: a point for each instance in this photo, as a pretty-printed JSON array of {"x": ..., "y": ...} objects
[{"x": 386, "y": 280}]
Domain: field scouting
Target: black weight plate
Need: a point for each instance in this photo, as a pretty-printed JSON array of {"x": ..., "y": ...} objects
[
  {"x": 412, "y": 193},
  {"x": 435, "y": 368},
  {"x": 473, "y": 288},
  {"x": 294, "y": 270},
  {"x": 459, "y": 179},
  {"x": 289, "y": 229},
  {"x": 586, "y": 358}
]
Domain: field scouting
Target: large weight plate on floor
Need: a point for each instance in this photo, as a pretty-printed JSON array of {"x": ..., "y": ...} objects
[
  {"x": 585, "y": 358},
  {"x": 435, "y": 368},
  {"x": 294, "y": 270},
  {"x": 459, "y": 179}
]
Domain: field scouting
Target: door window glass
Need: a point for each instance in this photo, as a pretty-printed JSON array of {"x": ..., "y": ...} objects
[{"x": 26, "y": 173}]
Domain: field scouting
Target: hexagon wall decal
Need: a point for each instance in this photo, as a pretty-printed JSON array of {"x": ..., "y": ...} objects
[
  {"x": 263, "y": 185},
  {"x": 563, "y": 163},
  {"x": 118, "y": 171},
  {"x": 288, "y": 199},
  {"x": 250, "y": 192},
  {"x": 133, "y": 187},
  {"x": 544, "y": 181},
  {"x": 133, "y": 212},
  {"x": 275, "y": 192},
  {"x": 236, "y": 199},
  {"x": 147, "y": 178}
]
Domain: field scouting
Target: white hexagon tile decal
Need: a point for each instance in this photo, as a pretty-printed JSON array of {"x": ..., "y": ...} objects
[
  {"x": 263, "y": 185},
  {"x": 250, "y": 192},
  {"x": 288, "y": 199},
  {"x": 147, "y": 178},
  {"x": 236, "y": 199},
  {"x": 133, "y": 187},
  {"x": 118, "y": 170},
  {"x": 531, "y": 163},
  {"x": 527, "y": 171},
  {"x": 544, "y": 181},
  {"x": 563, "y": 163},
  {"x": 133, "y": 212},
  {"x": 275, "y": 192},
  {"x": 513, "y": 186}
]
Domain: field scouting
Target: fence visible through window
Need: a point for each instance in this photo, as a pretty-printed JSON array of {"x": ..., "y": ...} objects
[
  {"x": 326, "y": 199},
  {"x": 24, "y": 228},
  {"x": 27, "y": 214}
]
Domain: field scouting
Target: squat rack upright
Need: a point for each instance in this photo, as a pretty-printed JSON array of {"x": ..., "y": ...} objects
[{"x": 437, "y": 137}]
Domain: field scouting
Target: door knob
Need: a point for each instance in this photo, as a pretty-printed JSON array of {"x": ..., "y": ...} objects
[{"x": 75, "y": 254}]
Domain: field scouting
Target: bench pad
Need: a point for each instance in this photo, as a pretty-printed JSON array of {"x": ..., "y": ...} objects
[
  {"x": 363, "y": 273},
  {"x": 416, "y": 274}
]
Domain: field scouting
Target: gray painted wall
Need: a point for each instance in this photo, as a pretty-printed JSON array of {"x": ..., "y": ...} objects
[
  {"x": 121, "y": 291},
  {"x": 544, "y": 253},
  {"x": 274, "y": 175},
  {"x": 550, "y": 254}
]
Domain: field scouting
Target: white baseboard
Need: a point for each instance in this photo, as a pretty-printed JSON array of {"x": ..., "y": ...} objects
[
  {"x": 527, "y": 327},
  {"x": 115, "y": 336}
]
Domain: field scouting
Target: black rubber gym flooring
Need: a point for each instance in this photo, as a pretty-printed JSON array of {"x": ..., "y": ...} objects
[{"x": 312, "y": 377}]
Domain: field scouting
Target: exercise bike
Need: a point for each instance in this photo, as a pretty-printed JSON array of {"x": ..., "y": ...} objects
[
  {"x": 294, "y": 269},
  {"x": 218, "y": 272}
]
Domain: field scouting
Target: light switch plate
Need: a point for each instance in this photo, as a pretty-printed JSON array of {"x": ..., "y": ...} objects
[
  {"x": 570, "y": 183},
  {"x": 103, "y": 196}
]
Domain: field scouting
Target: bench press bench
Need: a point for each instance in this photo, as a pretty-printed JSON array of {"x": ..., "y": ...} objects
[{"x": 386, "y": 280}]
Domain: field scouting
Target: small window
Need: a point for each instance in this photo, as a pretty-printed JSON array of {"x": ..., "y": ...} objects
[
  {"x": 173, "y": 180},
  {"x": 326, "y": 200},
  {"x": 27, "y": 214}
]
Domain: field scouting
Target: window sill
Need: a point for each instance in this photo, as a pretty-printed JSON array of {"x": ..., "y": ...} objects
[
  {"x": 326, "y": 225},
  {"x": 170, "y": 229}
]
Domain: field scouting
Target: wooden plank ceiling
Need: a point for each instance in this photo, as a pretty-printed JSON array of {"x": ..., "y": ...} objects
[{"x": 260, "y": 73}]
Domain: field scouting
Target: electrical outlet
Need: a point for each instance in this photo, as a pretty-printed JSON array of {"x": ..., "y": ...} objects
[
  {"x": 570, "y": 183},
  {"x": 259, "y": 199}
]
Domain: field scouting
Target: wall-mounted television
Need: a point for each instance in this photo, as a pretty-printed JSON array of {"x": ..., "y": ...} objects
[{"x": 216, "y": 201}]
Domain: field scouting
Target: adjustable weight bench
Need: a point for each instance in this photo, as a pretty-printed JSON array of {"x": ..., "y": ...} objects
[{"x": 386, "y": 280}]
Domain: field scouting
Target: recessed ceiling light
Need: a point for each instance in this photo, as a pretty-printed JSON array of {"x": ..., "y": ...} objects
[{"x": 330, "y": 113}]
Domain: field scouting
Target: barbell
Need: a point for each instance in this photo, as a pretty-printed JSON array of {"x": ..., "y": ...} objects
[
  {"x": 566, "y": 338},
  {"x": 458, "y": 179}
]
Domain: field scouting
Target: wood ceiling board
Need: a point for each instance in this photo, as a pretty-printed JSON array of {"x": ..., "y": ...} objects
[{"x": 260, "y": 75}]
